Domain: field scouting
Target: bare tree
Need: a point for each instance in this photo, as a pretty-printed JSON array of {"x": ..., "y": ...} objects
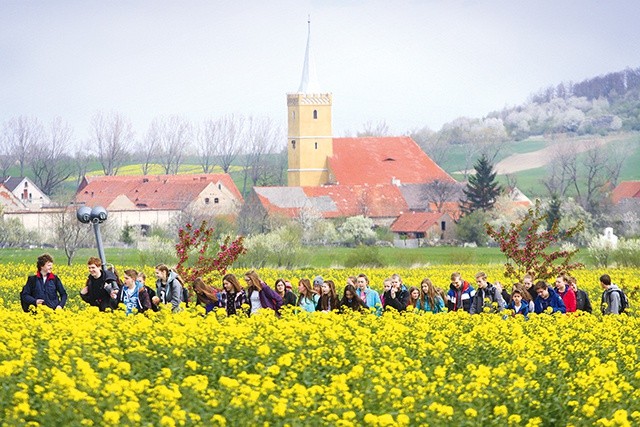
[
  {"x": 231, "y": 130},
  {"x": 82, "y": 160},
  {"x": 378, "y": 129},
  {"x": 596, "y": 177},
  {"x": 206, "y": 140},
  {"x": 175, "y": 135},
  {"x": 562, "y": 170},
  {"x": 437, "y": 148},
  {"x": 150, "y": 146},
  {"x": 111, "y": 135},
  {"x": 21, "y": 134},
  {"x": 262, "y": 140},
  {"x": 7, "y": 159},
  {"x": 439, "y": 192},
  {"x": 50, "y": 162},
  {"x": 70, "y": 234}
]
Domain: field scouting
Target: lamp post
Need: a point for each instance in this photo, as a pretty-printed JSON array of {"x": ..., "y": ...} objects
[{"x": 95, "y": 216}]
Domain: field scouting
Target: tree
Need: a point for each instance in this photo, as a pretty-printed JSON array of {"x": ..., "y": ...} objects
[
  {"x": 230, "y": 132},
  {"x": 110, "y": 136},
  {"x": 198, "y": 242},
  {"x": 262, "y": 140},
  {"x": 357, "y": 230},
  {"x": 7, "y": 159},
  {"x": 527, "y": 247},
  {"x": 50, "y": 163},
  {"x": 21, "y": 134},
  {"x": 206, "y": 141},
  {"x": 150, "y": 146},
  {"x": 470, "y": 228},
  {"x": 374, "y": 130},
  {"x": 69, "y": 233},
  {"x": 439, "y": 192},
  {"x": 482, "y": 189},
  {"x": 175, "y": 135},
  {"x": 554, "y": 213}
]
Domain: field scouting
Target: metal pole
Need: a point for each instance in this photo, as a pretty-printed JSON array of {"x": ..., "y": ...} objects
[{"x": 96, "y": 229}]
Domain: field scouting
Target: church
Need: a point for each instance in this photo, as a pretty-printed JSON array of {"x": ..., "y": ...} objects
[{"x": 379, "y": 177}]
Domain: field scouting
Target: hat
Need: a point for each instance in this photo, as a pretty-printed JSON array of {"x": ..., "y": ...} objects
[
  {"x": 318, "y": 280},
  {"x": 287, "y": 285}
]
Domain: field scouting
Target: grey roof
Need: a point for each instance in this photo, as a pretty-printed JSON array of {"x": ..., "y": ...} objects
[
  {"x": 284, "y": 197},
  {"x": 11, "y": 182},
  {"x": 414, "y": 195}
]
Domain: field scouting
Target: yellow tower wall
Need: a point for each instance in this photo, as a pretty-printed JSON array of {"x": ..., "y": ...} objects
[{"x": 310, "y": 141}]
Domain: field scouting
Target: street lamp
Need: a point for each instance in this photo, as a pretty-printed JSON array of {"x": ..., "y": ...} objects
[{"x": 95, "y": 216}]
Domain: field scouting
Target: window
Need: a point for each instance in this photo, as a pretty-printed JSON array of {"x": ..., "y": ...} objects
[
  {"x": 293, "y": 115},
  {"x": 316, "y": 145},
  {"x": 315, "y": 114},
  {"x": 219, "y": 186},
  {"x": 216, "y": 200},
  {"x": 293, "y": 144},
  {"x": 206, "y": 200},
  {"x": 443, "y": 226}
]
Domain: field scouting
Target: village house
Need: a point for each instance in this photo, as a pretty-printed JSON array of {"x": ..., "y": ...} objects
[
  {"x": 149, "y": 200},
  {"x": 26, "y": 191}
]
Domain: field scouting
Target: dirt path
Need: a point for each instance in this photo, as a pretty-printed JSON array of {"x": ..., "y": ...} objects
[{"x": 536, "y": 159}]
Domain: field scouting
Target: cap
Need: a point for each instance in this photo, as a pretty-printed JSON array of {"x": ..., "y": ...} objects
[{"x": 318, "y": 280}]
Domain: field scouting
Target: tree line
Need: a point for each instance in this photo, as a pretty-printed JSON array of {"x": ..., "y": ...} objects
[{"x": 50, "y": 154}]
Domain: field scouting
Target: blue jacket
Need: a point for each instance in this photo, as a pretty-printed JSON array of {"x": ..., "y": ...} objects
[
  {"x": 524, "y": 308},
  {"x": 460, "y": 298},
  {"x": 439, "y": 305},
  {"x": 50, "y": 290},
  {"x": 371, "y": 299},
  {"x": 554, "y": 301}
]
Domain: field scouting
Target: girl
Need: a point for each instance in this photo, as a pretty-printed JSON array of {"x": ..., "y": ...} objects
[
  {"x": 414, "y": 296},
  {"x": 430, "y": 298},
  {"x": 260, "y": 295},
  {"x": 133, "y": 293},
  {"x": 328, "y": 299},
  {"x": 308, "y": 299},
  {"x": 288, "y": 298},
  {"x": 351, "y": 300},
  {"x": 205, "y": 295},
  {"x": 386, "y": 286},
  {"x": 232, "y": 295}
]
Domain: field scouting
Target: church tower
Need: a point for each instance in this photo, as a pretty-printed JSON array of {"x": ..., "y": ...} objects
[{"x": 310, "y": 143}]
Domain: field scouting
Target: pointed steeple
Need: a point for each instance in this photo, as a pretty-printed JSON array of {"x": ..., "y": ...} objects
[{"x": 309, "y": 82}]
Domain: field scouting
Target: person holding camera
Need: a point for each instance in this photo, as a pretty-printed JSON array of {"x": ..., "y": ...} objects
[{"x": 101, "y": 289}]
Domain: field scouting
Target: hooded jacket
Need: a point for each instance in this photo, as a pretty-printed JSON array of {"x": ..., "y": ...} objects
[
  {"x": 460, "y": 298},
  {"x": 170, "y": 292},
  {"x": 554, "y": 301}
]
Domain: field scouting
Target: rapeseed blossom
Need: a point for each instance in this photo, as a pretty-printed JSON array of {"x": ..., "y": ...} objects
[{"x": 82, "y": 367}]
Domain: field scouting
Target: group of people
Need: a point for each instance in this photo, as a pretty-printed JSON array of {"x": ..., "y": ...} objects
[{"x": 105, "y": 289}]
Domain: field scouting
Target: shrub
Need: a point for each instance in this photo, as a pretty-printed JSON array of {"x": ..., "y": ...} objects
[{"x": 365, "y": 256}]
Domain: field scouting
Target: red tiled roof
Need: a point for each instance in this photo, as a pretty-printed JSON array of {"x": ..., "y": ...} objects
[
  {"x": 166, "y": 192},
  {"x": 626, "y": 190},
  {"x": 377, "y": 160},
  {"x": 416, "y": 222}
]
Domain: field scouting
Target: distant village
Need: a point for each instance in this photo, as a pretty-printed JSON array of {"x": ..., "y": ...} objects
[{"x": 390, "y": 180}]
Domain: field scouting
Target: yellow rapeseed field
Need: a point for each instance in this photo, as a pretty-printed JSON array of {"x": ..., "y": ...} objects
[{"x": 81, "y": 367}]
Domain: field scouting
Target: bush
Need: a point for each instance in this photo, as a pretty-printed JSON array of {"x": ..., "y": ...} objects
[
  {"x": 365, "y": 256},
  {"x": 470, "y": 228},
  {"x": 279, "y": 248}
]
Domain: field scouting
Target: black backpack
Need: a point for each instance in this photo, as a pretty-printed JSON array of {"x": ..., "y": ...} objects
[{"x": 624, "y": 301}]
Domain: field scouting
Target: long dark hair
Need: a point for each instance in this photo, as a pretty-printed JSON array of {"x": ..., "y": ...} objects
[
  {"x": 356, "y": 304},
  {"x": 329, "y": 301}
]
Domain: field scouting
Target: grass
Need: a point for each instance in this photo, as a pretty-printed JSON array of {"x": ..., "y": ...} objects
[{"x": 316, "y": 257}]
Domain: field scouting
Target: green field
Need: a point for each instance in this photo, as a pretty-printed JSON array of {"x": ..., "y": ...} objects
[{"x": 316, "y": 257}]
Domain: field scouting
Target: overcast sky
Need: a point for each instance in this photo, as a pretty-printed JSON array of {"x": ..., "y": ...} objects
[{"x": 410, "y": 63}]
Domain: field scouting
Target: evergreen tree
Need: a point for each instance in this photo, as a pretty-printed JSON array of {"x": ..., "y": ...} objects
[
  {"x": 553, "y": 211},
  {"x": 482, "y": 189}
]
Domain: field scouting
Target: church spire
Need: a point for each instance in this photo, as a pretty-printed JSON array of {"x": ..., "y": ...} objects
[{"x": 309, "y": 82}]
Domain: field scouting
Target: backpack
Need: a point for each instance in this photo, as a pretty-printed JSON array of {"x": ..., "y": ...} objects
[
  {"x": 185, "y": 295},
  {"x": 624, "y": 301}
]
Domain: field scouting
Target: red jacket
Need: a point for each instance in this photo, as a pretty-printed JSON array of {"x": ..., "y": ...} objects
[{"x": 569, "y": 299}]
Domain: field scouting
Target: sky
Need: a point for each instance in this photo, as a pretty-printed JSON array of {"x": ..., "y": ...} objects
[{"x": 409, "y": 63}]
